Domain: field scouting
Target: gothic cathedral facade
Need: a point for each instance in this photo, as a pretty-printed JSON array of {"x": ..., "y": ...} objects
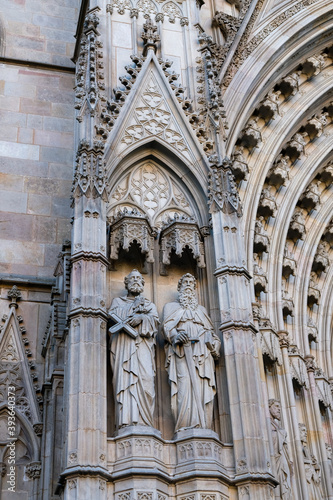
[{"x": 166, "y": 250}]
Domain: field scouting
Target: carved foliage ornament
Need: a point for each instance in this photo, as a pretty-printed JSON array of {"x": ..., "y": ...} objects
[
  {"x": 90, "y": 172},
  {"x": 298, "y": 367},
  {"x": 152, "y": 192},
  {"x": 131, "y": 226},
  {"x": 270, "y": 345},
  {"x": 90, "y": 86},
  {"x": 153, "y": 118},
  {"x": 223, "y": 192},
  {"x": 182, "y": 232}
]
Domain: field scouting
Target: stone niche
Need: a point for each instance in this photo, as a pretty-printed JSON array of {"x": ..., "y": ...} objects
[{"x": 155, "y": 227}]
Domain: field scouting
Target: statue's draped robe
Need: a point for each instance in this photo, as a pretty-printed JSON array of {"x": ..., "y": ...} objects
[
  {"x": 133, "y": 364},
  {"x": 197, "y": 324},
  {"x": 279, "y": 436},
  {"x": 312, "y": 474}
]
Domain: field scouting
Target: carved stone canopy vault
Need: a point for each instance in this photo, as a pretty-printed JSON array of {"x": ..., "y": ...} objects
[{"x": 148, "y": 203}]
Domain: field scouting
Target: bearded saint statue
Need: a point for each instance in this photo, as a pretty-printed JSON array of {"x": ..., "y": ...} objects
[
  {"x": 284, "y": 466},
  {"x": 132, "y": 354},
  {"x": 190, "y": 351},
  {"x": 311, "y": 466}
]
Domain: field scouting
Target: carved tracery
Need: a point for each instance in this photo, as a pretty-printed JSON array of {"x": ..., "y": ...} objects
[
  {"x": 147, "y": 206},
  {"x": 179, "y": 233}
]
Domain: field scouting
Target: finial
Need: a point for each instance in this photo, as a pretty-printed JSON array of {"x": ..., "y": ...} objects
[{"x": 149, "y": 37}]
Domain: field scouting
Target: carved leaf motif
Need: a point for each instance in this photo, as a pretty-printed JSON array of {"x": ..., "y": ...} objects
[
  {"x": 152, "y": 191},
  {"x": 154, "y": 119},
  {"x": 146, "y": 6}
]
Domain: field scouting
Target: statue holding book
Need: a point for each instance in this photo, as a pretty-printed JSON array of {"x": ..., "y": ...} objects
[{"x": 132, "y": 353}]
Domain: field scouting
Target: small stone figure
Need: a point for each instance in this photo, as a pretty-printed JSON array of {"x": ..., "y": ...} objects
[
  {"x": 312, "y": 468},
  {"x": 284, "y": 466},
  {"x": 132, "y": 354},
  {"x": 190, "y": 351}
]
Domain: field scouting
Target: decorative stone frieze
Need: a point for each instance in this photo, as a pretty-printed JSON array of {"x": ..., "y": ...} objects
[
  {"x": 297, "y": 229},
  {"x": 269, "y": 107},
  {"x": 250, "y": 136},
  {"x": 267, "y": 204},
  {"x": 287, "y": 304},
  {"x": 326, "y": 175},
  {"x": 278, "y": 175},
  {"x": 90, "y": 85},
  {"x": 129, "y": 226},
  {"x": 312, "y": 331},
  {"x": 228, "y": 24},
  {"x": 289, "y": 85},
  {"x": 315, "y": 126},
  {"x": 239, "y": 166},
  {"x": 209, "y": 122},
  {"x": 311, "y": 197},
  {"x": 295, "y": 147},
  {"x": 223, "y": 193},
  {"x": 324, "y": 388},
  {"x": 179, "y": 233},
  {"x": 33, "y": 470},
  {"x": 313, "y": 290},
  {"x": 269, "y": 342},
  {"x": 314, "y": 65},
  {"x": 90, "y": 173},
  {"x": 328, "y": 234},
  {"x": 289, "y": 264},
  {"x": 261, "y": 240},
  {"x": 298, "y": 367},
  {"x": 259, "y": 278},
  {"x": 321, "y": 260}
]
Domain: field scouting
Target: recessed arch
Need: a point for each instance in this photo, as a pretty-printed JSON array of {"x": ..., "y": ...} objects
[{"x": 191, "y": 180}]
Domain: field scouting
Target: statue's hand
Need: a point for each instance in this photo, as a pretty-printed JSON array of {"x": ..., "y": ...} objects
[
  {"x": 212, "y": 345},
  {"x": 136, "y": 320},
  {"x": 182, "y": 337}
]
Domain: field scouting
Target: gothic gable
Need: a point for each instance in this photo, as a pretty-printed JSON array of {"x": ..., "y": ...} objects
[
  {"x": 15, "y": 370},
  {"x": 151, "y": 112}
]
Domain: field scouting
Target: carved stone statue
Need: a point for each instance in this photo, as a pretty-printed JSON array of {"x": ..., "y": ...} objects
[
  {"x": 284, "y": 466},
  {"x": 312, "y": 468},
  {"x": 190, "y": 351},
  {"x": 135, "y": 323}
]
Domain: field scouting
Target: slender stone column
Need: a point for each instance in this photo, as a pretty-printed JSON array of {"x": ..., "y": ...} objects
[
  {"x": 299, "y": 471},
  {"x": 250, "y": 437},
  {"x": 86, "y": 471},
  {"x": 326, "y": 476}
]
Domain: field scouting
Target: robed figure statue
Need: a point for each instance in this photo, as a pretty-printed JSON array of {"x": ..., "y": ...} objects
[
  {"x": 190, "y": 351},
  {"x": 284, "y": 465},
  {"x": 311, "y": 466},
  {"x": 132, "y": 354}
]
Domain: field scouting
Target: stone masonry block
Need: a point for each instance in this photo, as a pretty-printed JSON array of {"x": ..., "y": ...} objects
[
  {"x": 16, "y": 150},
  {"x": 55, "y": 139},
  {"x": 25, "y": 252},
  {"x": 49, "y": 187},
  {"x": 56, "y": 124},
  {"x": 18, "y": 166},
  {"x": 56, "y": 154},
  {"x": 15, "y": 226},
  {"x": 11, "y": 182},
  {"x": 39, "y": 204},
  {"x": 25, "y": 135},
  {"x": 19, "y": 89},
  {"x": 13, "y": 201},
  {"x": 35, "y": 106},
  {"x": 61, "y": 207},
  {"x": 8, "y": 133},
  {"x": 45, "y": 229}
]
